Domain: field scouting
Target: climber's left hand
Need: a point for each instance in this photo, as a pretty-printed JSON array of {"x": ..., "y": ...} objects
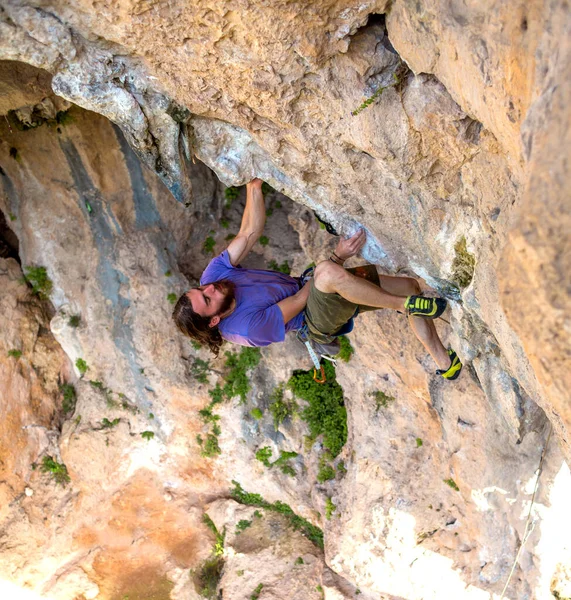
[{"x": 346, "y": 248}]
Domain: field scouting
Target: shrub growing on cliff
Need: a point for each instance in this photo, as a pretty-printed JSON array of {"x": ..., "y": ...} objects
[
  {"x": 58, "y": 471},
  {"x": 326, "y": 413},
  {"x": 14, "y": 353},
  {"x": 81, "y": 366},
  {"x": 463, "y": 265},
  {"x": 329, "y": 508},
  {"x": 310, "y": 531},
  {"x": 346, "y": 350},
  {"x": 69, "y": 397},
  {"x": 280, "y": 407},
  {"x": 38, "y": 278},
  {"x": 208, "y": 576},
  {"x": 283, "y": 268}
]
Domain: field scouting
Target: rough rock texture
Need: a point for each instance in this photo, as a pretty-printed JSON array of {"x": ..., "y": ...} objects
[{"x": 467, "y": 141}]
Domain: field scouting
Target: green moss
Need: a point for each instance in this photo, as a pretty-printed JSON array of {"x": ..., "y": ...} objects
[
  {"x": 147, "y": 435},
  {"x": 264, "y": 240},
  {"x": 382, "y": 400},
  {"x": 299, "y": 561},
  {"x": 418, "y": 442},
  {"x": 69, "y": 397},
  {"x": 209, "y": 245},
  {"x": 329, "y": 508},
  {"x": 81, "y": 366},
  {"x": 346, "y": 351},
  {"x": 451, "y": 483},
  {"x": 74, "y": 321},
  {"x": 172, "y": 298},
  {"x": 256, "y": 413},
  {"x": 313, "y": 533},
  {"x": 38, "y": 278},
  {"x": 14, "y": 353},
  {"x": 58, "y": 471},
  {"x": 325, "y": 414},
  {"x": 463, "y": 264}
]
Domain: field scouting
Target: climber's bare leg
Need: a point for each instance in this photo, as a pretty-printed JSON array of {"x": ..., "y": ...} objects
[
  {"x": 332, "y": 278},
  {"x": 424, "y": 329}
]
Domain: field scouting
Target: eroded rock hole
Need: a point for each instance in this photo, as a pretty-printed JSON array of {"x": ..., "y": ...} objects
[{"x": 9, "y": 245}]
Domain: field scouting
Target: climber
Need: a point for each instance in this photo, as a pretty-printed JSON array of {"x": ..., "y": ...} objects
[{"x": 254, "y": 307}]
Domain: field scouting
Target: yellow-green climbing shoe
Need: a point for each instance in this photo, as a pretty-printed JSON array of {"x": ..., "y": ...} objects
[
  {"x": 429, "y": 308},
  {"x": 454, "y": 369}
]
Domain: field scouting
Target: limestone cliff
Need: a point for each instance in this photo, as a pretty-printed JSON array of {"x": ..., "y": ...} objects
[{"x": 457, "y": 169}]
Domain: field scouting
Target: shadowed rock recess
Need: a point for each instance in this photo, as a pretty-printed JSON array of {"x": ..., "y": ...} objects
[{"x": 133, "y": 466}]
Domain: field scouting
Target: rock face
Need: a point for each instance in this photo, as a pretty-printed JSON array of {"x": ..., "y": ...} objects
[{"x": 458, "y": 171}]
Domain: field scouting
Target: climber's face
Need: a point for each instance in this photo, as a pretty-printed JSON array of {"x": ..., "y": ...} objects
[{"x": 212, "y": 300}]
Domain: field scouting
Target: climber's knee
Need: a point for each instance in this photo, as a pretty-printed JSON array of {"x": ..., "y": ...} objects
[{"x": 328, "y": 275}]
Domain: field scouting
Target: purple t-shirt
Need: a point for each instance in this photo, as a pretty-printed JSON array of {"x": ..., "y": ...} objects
[{"x": 257, "y": 319}]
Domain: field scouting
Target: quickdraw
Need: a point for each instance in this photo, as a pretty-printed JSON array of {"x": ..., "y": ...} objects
[{"x": 303, "y": 335}]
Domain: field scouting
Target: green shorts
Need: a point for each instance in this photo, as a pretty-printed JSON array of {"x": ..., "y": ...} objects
[{"x": 326, "y": 314}]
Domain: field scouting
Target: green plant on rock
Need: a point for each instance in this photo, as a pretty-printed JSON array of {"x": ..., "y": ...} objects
[
  {"x": 74, "y": 321},
  {"x": 15, "y": 353},
  {"x": 38, "y": 278},
  {"x": 267, "y": 188},
  {"x": 256, "y": 593},
  {"x": 382, "y": 400},
  {"x": 310, "y": 531},
  {"x": 208, "y": 576},
  {"x": 12, "y": 216},
  {"x": 346, "y": 350},
  {"x": 280, "y": 407},
  {"x": 237, "y": 382},
  {"x": 326, "y": 413},
  {"x": 107, "y": 424},
  {"x": 418, "y": 442},
  {"x": 209, "y": 245},
  {"x": 283, "y": 268},
  {"x": 224, "y": 223},
  {"x": 329, "y": 508},
  {"x": 210, "y": 447},
  {"x": 299, "y": 561},
  {"x": 69, "y": 398},
  {"x": 231, "y": 193},
  {"x": 172, "y": 298},
  {"x": 256, "y": 413},
  {"x": 263, "y": 455},
  {"x": 200, "y": 369},
  {"x": 58, "y": 471},
  {"x": 451, "y": 483},
  {"x": 242, "y": 525},
  {"x": 168, "y": 273},
  {"x": 264, "y": 240},
  {"x": 147, "y": 435},
  {"x": 463, "y": 264},
  {"x": 325, "y": 473},
  {"x": 81, "y": 366}
]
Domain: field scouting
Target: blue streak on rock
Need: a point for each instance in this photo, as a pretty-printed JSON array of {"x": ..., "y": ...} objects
[
  {"x": 146, "y": 211},
  {"x": 110, "y": 279}
]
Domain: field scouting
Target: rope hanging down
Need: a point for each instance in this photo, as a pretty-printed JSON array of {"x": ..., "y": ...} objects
[{"x": 528, "y": 529}]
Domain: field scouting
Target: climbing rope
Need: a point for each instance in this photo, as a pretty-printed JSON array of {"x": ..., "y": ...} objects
[{"x": 528, "y": 530}]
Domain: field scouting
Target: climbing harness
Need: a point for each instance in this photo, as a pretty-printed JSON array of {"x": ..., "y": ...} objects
[{"x": 528, "y": 530}]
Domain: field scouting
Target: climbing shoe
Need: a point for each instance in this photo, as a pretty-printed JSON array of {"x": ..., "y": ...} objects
[
  {"x": 429, "y": 308},
  {"x": 454, "y": 369}
]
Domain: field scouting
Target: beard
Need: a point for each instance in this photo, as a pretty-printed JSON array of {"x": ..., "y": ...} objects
[{"x": 227, "y": 288}]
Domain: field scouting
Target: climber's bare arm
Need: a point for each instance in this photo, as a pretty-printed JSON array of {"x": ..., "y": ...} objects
[
  {"x": 253, "y": 221},
  {"x": 293, "y": 305}
]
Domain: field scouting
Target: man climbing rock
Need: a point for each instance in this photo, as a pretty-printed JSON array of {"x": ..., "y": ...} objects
[{"x": 255, "y": 307}]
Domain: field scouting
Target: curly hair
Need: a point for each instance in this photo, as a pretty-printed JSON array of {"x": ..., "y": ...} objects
[{"x": 196, "y": 327}]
